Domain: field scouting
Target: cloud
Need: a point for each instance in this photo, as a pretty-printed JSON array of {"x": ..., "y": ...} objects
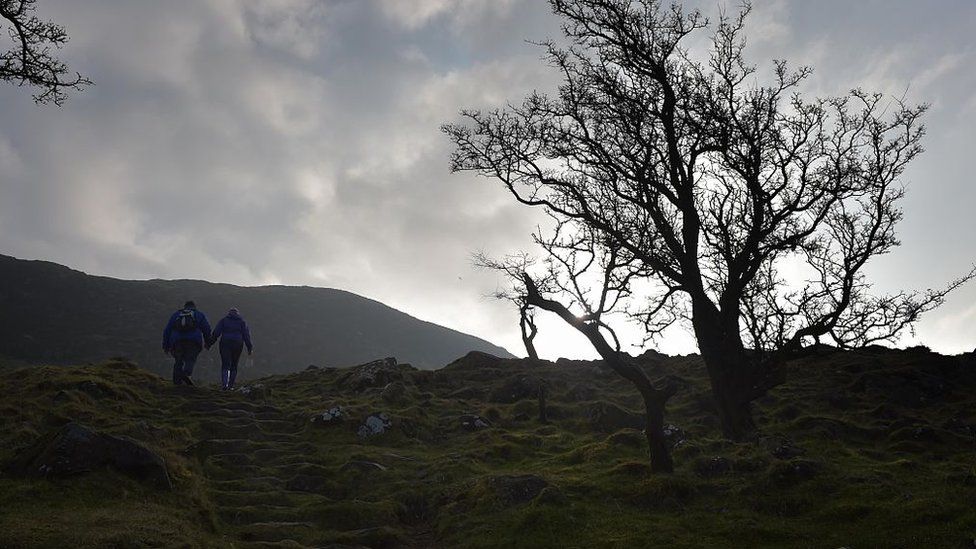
[{"x": 297, "y": 142}]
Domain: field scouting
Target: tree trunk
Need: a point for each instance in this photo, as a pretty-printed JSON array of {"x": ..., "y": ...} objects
[
  {"x": 654, "y": 402},
  {"x": 657, "y": 443},
  {"x": 730, "y": 371},
  {"x": 621, "y": 363},
  {"x": 543, "y": 413},
  {"x": 529, "y": 331}
]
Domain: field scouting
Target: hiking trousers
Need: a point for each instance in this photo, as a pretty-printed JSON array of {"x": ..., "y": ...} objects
[
  {"x": 230, "y": 353},
  {"x": 185, "y": 354}
]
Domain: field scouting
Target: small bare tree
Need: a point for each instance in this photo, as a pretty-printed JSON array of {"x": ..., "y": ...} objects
[
  {"x": 690, "y": 187},
  {"x": 31, "y": 60}
]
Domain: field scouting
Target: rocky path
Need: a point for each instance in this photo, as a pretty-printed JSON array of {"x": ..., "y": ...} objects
[{"x": 269, "y": 486}]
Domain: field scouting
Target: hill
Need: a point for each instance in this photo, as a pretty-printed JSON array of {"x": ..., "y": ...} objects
[
  {"x": 54, "y": 314},
  {"x": 858, "y": 449}
]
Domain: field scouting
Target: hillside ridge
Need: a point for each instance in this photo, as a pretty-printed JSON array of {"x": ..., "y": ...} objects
[{"x": 61, "y": 315}]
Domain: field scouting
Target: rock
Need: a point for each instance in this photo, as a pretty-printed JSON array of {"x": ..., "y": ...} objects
[
  {"x": 76, "y": 449},
  {"x": 607, "y": 418},
  {"x": 394, "y": 392},
  {"x": 362, "y": 466},
  {"x": 258, "y": 391},
  {"x": 676, "y": 436},
  {"x": 372, "y": 374},
  {"x": 374, "y": 424},
  {"x": 515, "y": 389},
  {"x": 515, "y": 489},
  {"x": 332, "y": 416},
  {"x": 471, "y": 422},
  {"x": 474, "y": 360}
]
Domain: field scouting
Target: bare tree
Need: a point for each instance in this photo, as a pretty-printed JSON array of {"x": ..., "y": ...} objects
[
  {"x": 31, "y": 60},
  {"x": 529, "y": 329},
  {"x": 692, "y": 187},
  {"x": 513, "y": 267}
]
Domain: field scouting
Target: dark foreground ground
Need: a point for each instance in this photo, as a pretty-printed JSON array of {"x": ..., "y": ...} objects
[{"x": 858, "y": 450}]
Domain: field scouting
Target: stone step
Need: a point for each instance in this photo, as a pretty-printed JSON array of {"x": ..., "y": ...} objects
[
  {"x": 259, "y": 513},
  {"x": 238, "y": 498},
  {"x": 276, "y": 531},
  {"x": 214, "y": 446},
  {"x": 284, "y": 544},
  {"x": 249, "y": 483}
]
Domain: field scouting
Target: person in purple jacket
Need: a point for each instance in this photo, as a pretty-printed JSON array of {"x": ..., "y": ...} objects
[
  {"x": 184, "y": 337},
  {"x": 234, "y": 335}
]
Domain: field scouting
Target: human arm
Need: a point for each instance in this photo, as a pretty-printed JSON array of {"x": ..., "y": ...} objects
[
  {"x": 204, "y": 326},
  {"x": 246, "y": 334},
  {"x": 167, "y": 334},
  {"x": 217, "y": 331}
]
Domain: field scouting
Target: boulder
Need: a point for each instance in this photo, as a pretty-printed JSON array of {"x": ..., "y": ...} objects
[
  {"x": 517, "y": 388},
  {"x": 374, "y": 424},
  {"x": 395, "y": 392},
  {"x": 332, "y": 416},
  {"x": 377, "y": 373},
  {"x": 474, "y": 360},
  {"x": 76, "y": 449},
  {"x": 608, "y": 418}
]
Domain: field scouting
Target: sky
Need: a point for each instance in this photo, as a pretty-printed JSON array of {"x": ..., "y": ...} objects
[{"x": 297, "y": 142}]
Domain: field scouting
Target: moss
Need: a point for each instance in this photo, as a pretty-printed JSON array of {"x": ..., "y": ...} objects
[{"x": 870, "y": 474}]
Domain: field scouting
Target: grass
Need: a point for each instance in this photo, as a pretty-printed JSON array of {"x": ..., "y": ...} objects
[{"x": 868, "y": 449}]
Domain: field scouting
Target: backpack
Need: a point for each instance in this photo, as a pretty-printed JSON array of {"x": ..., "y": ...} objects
[{"x": 186, "y": 321}]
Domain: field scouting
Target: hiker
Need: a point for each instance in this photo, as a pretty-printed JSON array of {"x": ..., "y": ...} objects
[
  {"x": 184, "y": 337},
  {"x": 234, "y": 336}
]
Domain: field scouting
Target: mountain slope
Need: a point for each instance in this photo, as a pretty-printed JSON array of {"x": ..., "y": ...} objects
[
  {"x": 856, "y": 449},
  {"x": 51, "y": 313}
]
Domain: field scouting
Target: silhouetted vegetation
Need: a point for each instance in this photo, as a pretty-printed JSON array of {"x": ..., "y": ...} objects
[
  {"x": 31, "y": 61},
  {"x": 682, "y": 186}
]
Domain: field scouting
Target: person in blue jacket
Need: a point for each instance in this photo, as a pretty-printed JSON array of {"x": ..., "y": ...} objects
[
  {"x": 234, "y": 336},
  {"x": 184, "y": 337}
]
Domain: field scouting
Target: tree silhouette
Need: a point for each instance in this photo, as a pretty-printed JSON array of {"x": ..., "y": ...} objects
[
  {"x": 31, "y": 61},
  {"x": 682, "y": 189}
]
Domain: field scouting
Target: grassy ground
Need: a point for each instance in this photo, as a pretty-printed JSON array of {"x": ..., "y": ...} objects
[{"x": 860, "y": 450}]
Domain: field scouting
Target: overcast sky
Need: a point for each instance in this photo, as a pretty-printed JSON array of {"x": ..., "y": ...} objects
[{"x": 296, "y": 142}]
